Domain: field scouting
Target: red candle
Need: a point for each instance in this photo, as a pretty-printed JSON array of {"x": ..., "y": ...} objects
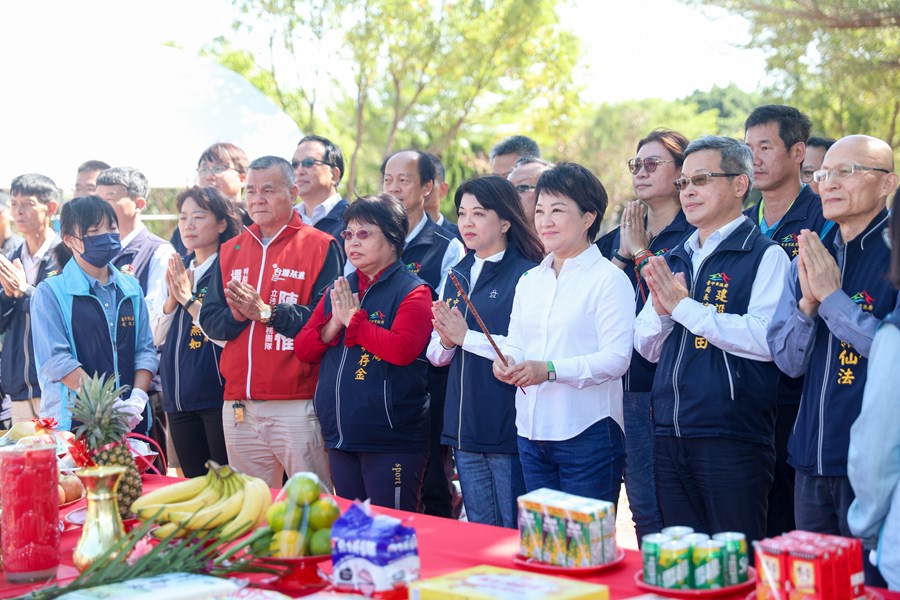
[{"x": 30, "y": 519}]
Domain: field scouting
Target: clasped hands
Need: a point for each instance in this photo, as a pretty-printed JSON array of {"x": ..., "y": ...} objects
[
  {"x": 667, "y": 289},
  {"x": 180, "y": 282},
  {"x": 817, "y": 271},
  {"x": 12, "y": 277},
  {"x": 243, "y": 300}
]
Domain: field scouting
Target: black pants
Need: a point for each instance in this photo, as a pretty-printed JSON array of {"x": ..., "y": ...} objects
[
  {"x": 714, "y": 484},
  {"x": 780, "y": 517},
  {"x": 197, "y": 436},
  {"x": 822, "y": 504},
  {"x": 390, "y": 479},
  {"x": 437, "y": 497}
]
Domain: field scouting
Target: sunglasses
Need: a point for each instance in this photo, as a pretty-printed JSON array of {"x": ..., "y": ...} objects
[
  {"x": 525, "y": 188},
  {"x": 361, "y": 234},
  {"x": 308, "y": 163},
  {"x": 698, "y": 180},
  {"x": 649, "y": 164}
]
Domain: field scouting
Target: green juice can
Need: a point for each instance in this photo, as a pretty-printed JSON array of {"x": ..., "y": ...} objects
[
  {"x": 695, "y": 538},
  {"x": 676, "y": 532},
  {"x": 650, "y": 546},
  {"x": 707, "y": 562},
  {"x": 674, "y": 571},
  {"x": 735, "y": 560}
]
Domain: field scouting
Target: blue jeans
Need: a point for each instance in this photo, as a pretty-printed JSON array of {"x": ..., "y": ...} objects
[
  {"x": 639, "y": 475},
  {"x": 589, "y": 464},
  {"x": 491, "y": 484}
]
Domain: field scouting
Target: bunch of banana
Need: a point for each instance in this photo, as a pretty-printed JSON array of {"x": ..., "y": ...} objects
[{"x": 224, "y": 497}]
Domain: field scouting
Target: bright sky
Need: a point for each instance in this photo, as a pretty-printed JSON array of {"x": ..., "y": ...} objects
[{"x": 634, "y": 49}]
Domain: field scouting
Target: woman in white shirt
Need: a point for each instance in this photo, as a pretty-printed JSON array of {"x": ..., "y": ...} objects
[
  {"x": 569, "y": 344},
  {"x": 189, "y": 362}
]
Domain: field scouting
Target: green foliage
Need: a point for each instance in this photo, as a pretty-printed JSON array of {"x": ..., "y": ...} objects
[
  {"x": 732, "y": 104},
  {"x": 437, "y": 74},
  {"x": 837, "y": 60},
  {"x": 608, "y": 136}
]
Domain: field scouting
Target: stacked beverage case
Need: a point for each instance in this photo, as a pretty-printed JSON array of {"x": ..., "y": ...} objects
[
  {"x": 679, "y": 558},
  {"x": 802, "y": 565},
  {"x": 565, "y": 530}
]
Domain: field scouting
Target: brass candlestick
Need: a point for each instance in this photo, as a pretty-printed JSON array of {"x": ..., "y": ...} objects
[{"x": 102, "y": 525}]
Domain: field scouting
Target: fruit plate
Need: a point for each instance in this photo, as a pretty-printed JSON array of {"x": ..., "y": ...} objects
[
  {"x": 724, "y": 591},
  {"x": 71, "y": 502},
  {"x": 870, "y": 595},
  {"x": 76, "y": 517},
  {"x": 304, "y": 574},
  {"x": 542, "y": 567}
]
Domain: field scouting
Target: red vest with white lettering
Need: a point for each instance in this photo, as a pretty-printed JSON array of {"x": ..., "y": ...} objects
[{"x": 260, "y": 364}]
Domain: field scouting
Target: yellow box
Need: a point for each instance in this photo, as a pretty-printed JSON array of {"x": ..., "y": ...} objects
[{"x": 494, "y": 583}]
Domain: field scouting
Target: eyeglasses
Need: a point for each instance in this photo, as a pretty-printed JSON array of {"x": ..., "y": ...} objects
[
  {"x": 649, "y": 164},
  {"x": 361, "y": 234},
  {"x": 308, "y": 163},
  {"x": 701, "y": 179},
  {"x": 525, "y": 188},
  {"x": 806, "y": 175},
  {"x": 213, "y": 170},
  {"x": 842, "y": 172}
]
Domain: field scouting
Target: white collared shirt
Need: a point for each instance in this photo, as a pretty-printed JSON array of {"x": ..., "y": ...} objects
[
  {"x": 30, "y": 263},
  {"x": 156, "y": 276},
  {"x": 318, "y": 212},
  {"x": 742, "y": 335},
  {"x": 580, "y": 320},
  {"x": 475, "y": 341}
]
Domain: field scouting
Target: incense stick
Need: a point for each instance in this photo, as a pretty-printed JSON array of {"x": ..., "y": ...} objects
[{"x": 481, "y": 324}]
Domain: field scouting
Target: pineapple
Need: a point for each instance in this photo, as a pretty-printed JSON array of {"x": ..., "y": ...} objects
[{"x": 104, "y": 423}]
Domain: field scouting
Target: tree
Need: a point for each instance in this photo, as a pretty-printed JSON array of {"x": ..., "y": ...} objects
[
  {"x": 732, "y": 103},
  {"x": 424, "y": 72},
  {"x": 838, "y": 60}
]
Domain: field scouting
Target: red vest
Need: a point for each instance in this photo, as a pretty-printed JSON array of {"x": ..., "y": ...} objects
[{"x": 260, "y": 364}]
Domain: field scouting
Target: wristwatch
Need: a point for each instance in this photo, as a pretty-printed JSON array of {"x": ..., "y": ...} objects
[
  {"x": 551, "y": 371},
  {"x": 266, "y": 315}
]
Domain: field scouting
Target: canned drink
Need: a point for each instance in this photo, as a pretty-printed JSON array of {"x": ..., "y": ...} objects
[
  {"x": 678, "y": 531},
  {"x": 674, "y": 565},
  {"x": 735, "y": 556},
  {"x": 707, "y": 560},
  {"x": 694, "y": 538},
  {"x": 650, "y": 545}
]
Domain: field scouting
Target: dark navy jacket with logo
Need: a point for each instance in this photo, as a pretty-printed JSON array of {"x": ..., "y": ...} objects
[
  {"x": 189, "y": 362},
  {"x": 639, "y": 377},
  {"x": 364, "y": 403},
  {"x": 18, "y": 372},
  {"x": 836, "y": 373},
  {"x": 425, "y": 252},
  {"x": 700, "y": 390},
  {"x": 804, "y": 213},
  {"x": 480, "y": 410}
]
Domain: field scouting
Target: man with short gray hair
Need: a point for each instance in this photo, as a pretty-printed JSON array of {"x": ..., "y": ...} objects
[
  {"x": 269, "y": 280},
  {"x": 504, "y": 155},
  {"x": 144, "y": 256},
  {"x": 705, "y": 324}
]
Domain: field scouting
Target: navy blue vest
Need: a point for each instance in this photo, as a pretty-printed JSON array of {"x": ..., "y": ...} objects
[
  {"x": 189, "y": 362},
  {"x": 700, "y": 390},
  {"x": 89, "y": 330},
  {"x": 18, "y": 371},
  {"x": 836, "y": 375},
  {"x": 135, "y": 259},
  {"x": 639, "y": 377},
  {"x": 480, "y": 410},
  {"x": 804, "y": 213},
  {"x": 425, "y": 252},
  {"x": 364, "y": 403}
]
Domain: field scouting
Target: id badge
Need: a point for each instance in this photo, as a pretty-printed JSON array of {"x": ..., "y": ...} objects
[{"x": 238, "y": 412}]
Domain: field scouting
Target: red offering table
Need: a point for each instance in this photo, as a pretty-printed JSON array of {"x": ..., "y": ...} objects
[{"x": 444, "y": 546}]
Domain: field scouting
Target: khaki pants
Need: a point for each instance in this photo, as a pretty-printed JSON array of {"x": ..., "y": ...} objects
[
  {"x": 26, "y": 410},
  {"x": 276, "y": 436}
]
